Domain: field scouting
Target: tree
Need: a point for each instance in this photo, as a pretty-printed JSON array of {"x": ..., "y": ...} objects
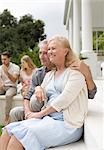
[
  {"x": 98, "y": 41},
  {"x": 7, "y": 20},
  {"x": 20, "y": 36},
  {"x": 8, "y": 24},
  {"x": 30, "y": 31}
]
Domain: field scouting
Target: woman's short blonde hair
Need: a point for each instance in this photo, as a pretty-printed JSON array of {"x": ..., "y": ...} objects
[
  {"x": 29, "y": 61},
  {"x": 71, "y": 56}
]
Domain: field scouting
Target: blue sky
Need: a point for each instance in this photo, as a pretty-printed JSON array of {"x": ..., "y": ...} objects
[{"x": 50, "y": 11}]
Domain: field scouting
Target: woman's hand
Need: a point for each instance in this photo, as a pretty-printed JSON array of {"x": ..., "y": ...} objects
[
  {"x": 39, "y": 93},
  {"x": 37, "y": 115},
  {"x": 48, "y": 110}
]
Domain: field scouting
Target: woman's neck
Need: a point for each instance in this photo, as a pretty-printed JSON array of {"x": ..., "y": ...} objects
[
  {"x": 59, "y": 71},
  {"x": 60, "y": 68},
  {"x": 28, "y": 71}
]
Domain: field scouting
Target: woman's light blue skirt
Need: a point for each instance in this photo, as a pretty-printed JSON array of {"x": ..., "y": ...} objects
[{"x": 39, "y": 134}]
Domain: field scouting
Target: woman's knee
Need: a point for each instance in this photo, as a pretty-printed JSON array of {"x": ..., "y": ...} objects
[
  {"x": 14, "y": 144},
  {"x": 5, "y": 134}
]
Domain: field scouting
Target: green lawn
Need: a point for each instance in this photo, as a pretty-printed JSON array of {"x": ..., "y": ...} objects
[{"x": 0, "y": 129}]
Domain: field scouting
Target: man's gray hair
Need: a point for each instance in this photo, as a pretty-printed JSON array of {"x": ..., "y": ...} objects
[{"x": 44, "y": 42}]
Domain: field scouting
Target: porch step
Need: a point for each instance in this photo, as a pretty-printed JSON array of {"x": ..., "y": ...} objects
[
  {"x": 79, "y": 145},
  {"x": 94, "y": 123}
]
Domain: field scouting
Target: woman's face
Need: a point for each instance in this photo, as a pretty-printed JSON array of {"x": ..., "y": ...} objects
[
  {"x": 24, "y": 64},
  {"x": 56, "y": 52}
]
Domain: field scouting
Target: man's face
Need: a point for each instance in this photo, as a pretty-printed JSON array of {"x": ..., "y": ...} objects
[
  {"x": 43, "y": 55},
  {"x": 5, "y": 60}
]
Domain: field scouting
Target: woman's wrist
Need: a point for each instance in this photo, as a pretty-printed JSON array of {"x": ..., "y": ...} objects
[
  {"x": 48, "y": 110},
  {"x": 43, "y": 113}
]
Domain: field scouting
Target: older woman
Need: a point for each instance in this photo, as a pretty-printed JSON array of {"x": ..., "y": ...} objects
[{"x": 61, "y": 120}]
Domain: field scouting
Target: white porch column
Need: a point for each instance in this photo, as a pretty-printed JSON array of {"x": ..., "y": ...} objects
[
  {"x": 76, "y": 26},
  {"x": 71, "y": 32},
  {"x": 86, "y": 26},
  {"x": 87, "y": 44}
]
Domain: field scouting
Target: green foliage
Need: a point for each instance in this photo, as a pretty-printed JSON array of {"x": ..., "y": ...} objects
[
  {"x": 1, "y": 129},
  {"x": 25, "y": 19},
  {"x": 81, "y": 57},
  {"x": 7, "y": 20},
  {"x": 34, "y": 55},
  {"x": 98, "y": 41},
  {"x": 18, "y": 37}
]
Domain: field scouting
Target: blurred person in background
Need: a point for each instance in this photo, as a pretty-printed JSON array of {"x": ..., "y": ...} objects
[
  {"x": 27, "y": 70},
  {"x": 9, "y": 74}
]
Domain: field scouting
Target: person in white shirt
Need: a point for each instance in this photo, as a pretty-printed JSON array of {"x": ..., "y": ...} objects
[{"x": 9, "y": 73}]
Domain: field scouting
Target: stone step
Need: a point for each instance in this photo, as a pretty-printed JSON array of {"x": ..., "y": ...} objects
[
  {"x": 79, "y": 145},
  {"x": 94, "y": 123}
]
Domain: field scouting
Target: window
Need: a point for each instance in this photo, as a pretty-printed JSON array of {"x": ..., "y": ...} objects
[{"x": 98, "y": 42}]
